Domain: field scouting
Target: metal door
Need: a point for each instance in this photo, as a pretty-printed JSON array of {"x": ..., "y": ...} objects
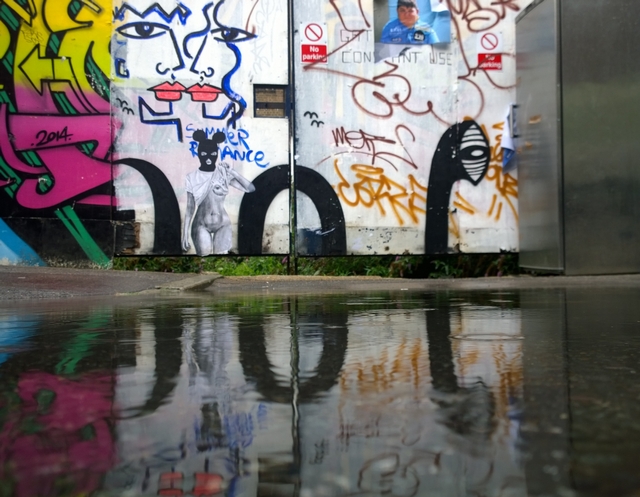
[{"x": 539, "y": 146}]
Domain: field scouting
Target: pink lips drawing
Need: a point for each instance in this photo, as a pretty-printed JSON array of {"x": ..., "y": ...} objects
[{"x": 172, "y": 92}]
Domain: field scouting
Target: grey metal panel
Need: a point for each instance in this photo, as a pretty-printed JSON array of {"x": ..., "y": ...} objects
[
  {"x": 601, "y": 119},
  {"x": 539, "y": 144}
]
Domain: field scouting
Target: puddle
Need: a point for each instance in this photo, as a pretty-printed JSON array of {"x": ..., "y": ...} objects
[{"x": 442, "y": 394}]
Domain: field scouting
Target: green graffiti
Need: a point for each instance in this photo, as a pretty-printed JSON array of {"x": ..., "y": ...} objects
[
  {"x": 62, "y": 103},
  {"x": 4, "y": 98},
  {"x": 73, "y": 223},
  {"x": 79, "y": 347},
  {"x": 32, "y": 158},
  {"x": 44, "y": 183},
  {"x": 54, "y": 43},
  {"x": 7, "y": 61},
  {"x": 9, "y": 18},
  {"x": 97, "y": 79}
]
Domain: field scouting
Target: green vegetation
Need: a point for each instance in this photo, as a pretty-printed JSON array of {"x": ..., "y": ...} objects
[{"x": 410, "y": 266}]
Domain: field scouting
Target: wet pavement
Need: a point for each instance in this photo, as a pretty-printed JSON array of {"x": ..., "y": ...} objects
[{"x": 337, "y": 390}]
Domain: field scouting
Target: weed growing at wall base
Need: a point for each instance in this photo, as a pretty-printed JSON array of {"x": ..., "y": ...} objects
[{"x": 413, "y": 266}]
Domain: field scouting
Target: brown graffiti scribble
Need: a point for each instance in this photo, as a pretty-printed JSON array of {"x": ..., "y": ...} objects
[
  {"x": 344, "y": 24},
  {"x": 374, "y": 188},
  {"x": 481, "y": 18},
  {"x": 390, "y": 101},
  {"x": 366, "y": 143},
  {"x": 246, "y": 26}
]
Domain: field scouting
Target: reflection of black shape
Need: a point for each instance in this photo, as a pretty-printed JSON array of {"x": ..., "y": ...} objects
[
  {"x": 254, "y": 207},
  {"x": 258, "y": 369},
  {"x": 466, "y": 411},
  {"x": 443, "y": 374},
  {"x": 167, "y": 224},
  {"x": 210, "y": 435},
  {"x": 168, "y": 359},
  {"x": 463, "y": 153}
]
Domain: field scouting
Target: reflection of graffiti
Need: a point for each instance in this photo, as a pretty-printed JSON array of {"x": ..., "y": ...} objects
[
  {"x": 59, "y": 424},
  {"x": 462, "y": 154},
  {"x": 258, "y": 370},
  {"x": 254, "y": 207}
]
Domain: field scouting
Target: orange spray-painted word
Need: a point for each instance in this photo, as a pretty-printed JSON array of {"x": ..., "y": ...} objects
[{"x": 373, "y": 188}]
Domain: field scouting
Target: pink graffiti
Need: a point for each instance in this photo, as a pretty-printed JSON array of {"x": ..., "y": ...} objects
[
  {"x": 37, "y": 458},
  {"x": 55, "y": 138}
]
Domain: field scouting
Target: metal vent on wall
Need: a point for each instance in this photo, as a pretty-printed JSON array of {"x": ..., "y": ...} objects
[{"x": 269, "y": 101}]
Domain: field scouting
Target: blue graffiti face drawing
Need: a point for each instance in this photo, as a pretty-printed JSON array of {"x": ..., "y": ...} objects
[{"x": 180, "y": 51}]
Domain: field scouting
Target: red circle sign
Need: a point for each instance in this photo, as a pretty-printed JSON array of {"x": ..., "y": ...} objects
[
  {"x": 489, "y": 41},
  {"x": 313, "y": 32}
]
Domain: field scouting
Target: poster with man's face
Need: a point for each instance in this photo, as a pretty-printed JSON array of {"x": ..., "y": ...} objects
[{"x": 411, "y": 22}]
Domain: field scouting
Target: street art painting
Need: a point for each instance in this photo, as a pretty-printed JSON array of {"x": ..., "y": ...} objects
[
  {"x": 183, "y": 75},
  {"x": 55, "y": 131},
  {"x": 411, "y": 135},
  {"x": 206, "y": 220},
  {"x": 106, "y": 108}
]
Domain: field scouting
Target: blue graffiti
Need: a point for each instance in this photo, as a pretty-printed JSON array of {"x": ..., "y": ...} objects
[
  {"x": 237, "y": 147},
  {"x": 239, "y": 430}
]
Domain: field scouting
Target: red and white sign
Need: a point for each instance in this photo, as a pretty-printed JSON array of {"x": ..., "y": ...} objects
[
  {"x": 490, "y": 50},
  {"x": 314, "y": 53},
  {"x": 314, "y": 43},
  {"x": 314, "y": 33},
  {"x": 490, "y": 61}
]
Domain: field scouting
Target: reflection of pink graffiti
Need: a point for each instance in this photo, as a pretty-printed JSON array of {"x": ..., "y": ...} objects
[
  {"x": 61, "y": 430},
  {"x": 73, "y": 172}
]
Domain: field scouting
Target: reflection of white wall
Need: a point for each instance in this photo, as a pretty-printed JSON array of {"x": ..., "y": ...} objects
[
  {"x": 388, "y": 433},
  {"x": 166, "y": 440}
]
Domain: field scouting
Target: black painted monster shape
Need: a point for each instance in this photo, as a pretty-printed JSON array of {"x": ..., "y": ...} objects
[{"x": 463, "y": 153}]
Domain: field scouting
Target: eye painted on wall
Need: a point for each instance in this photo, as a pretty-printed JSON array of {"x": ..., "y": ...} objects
[
  {"x": 142, "y": 30},
  {"x": 231, "y": 35}
]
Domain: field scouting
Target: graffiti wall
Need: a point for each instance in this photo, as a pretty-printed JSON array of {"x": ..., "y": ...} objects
[
  {"x": 161, "y": 128},
  {"x": 408, "y": 129}
]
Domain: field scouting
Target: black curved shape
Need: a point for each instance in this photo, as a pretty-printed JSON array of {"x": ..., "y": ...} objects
[
  {"x": 443, "y": 376},
  {"x": 254, "y": 207},
  {"x": 463, "y": 153},
  {"x": 258, "y": 369},
  {"x": 168, "y": 328},
  {"x": 166, "y": 236}
]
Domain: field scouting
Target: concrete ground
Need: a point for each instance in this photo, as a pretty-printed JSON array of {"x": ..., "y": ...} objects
[{"x": 26, "y": 283}]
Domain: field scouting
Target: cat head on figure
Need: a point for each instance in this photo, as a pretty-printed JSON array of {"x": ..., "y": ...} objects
[{"x": 208, "y": 148}]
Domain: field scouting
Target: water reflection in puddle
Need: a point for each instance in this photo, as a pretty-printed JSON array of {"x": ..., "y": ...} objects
[{"x": 340, "y": 395}]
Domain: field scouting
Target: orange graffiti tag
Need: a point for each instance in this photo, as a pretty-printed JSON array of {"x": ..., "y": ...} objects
[
  {"x": 505, "y": 185},
  {"x": 374, "y": 188}
]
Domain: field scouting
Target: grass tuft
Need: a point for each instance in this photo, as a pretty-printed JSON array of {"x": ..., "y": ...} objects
[{"x": 409, "y": 266}]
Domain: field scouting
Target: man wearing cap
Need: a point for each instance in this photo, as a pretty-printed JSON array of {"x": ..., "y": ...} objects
[{"x": 408, "y": 28}]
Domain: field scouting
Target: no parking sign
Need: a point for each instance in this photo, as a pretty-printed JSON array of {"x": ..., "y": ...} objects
[
  {"x": 490, "y": 48},
  {"x": 314, "y": 43}
]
